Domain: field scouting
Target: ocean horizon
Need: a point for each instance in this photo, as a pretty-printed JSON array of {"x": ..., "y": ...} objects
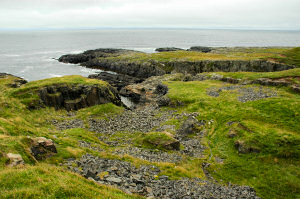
[{"x": 32, "y": 54}]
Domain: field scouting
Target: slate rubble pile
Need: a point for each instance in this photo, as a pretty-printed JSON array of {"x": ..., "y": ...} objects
[
  {"x": 252, "y": 93},
  {"x": 149, "y": 155},
  {"x": 141, "y": 120},
  {"x": 146, "y": 181}
]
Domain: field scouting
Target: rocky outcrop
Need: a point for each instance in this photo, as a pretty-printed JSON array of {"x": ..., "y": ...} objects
[
  {"x": 116, "y": 80},
  {"x": 14, "y": 159},
  {"x": 91, "y": 54},
  {"x": 150, "y": 91},
  {"x": 74, "y": 97},
  {"x": 132, "y": 68},
  {"x": 42, "y": 148},
  {"x": 16, "y": 83},
  {"x": 189, "y": 126},
  {"x": 194, "y": 67},
  {"x": 270, "y": 82},
  {"x": 203, "y": 49},
  {"x": 75, "y": 59},
  {"x": 147, "y": 68},
  {"x": 296, "y": 88},
  {"x": 91, "y": 59},
  {"x": 167, "y": 49},
  {"x": 283, "y": 81}
]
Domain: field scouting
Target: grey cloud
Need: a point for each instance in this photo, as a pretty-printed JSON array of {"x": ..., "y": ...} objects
[{"x": 267, "y": 14}]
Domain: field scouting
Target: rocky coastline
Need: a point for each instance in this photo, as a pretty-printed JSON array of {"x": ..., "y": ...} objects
[{"x": 149, "y": 147}]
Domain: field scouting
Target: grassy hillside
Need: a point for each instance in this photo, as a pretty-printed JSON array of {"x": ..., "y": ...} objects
[
  {"x": 46, "y": 181},
  {"x": 270, "y": 127},
  {"x": 42, "y": 180}
]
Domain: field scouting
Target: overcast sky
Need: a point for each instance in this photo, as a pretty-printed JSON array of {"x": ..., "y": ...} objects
[{"x": 237, "y": 14}]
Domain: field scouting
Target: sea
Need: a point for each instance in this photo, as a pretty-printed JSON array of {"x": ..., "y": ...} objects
[{"x": 33, "y": 54}]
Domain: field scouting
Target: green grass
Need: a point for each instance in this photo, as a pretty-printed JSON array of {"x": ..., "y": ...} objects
[
  {"x": 254, "y": 75},
  {"x": 99, "y": 112},
  {"x": 271, "y": 125},
  {"x": 290, "y": 57},
  {"x": 71, "y": 79},
  {"x": 46, "y": 181},
  {"x": 28, "y": 93},
  {"x": 154, "y": 140},
  {"x": 219, "y": 54}
]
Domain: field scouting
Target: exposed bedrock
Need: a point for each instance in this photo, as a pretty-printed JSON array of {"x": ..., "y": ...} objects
[
  {"x": 77, "y": 96},
  {"x": 167, "y": 49},
  {"x": 117, "y": 80},
  {"x": 225, "y": 66},
  {"x": 91, "y": 54},
  {"x": 135, "y": 69},
  {"x": 150, "y": 91},
  {"x": 109, "y": 60},
  {"x": 16, "y": 83},
  {"x": 203, "y": 49}
]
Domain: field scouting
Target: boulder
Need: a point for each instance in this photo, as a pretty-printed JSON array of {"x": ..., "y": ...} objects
[
  {"x": 189, "y": 126},
  {"x": 296, "y": 88},
  {"x": 163, "y": 101},
  {"x": 161, "y": 89},
  {"x": 163, "y": 140},
  {"x": 230, "y": 80},
  {"x": 42, "y": 148},
  {"x": 14, "y": 159},
  {"x": 242, "y": 147},
  {"x": 113, "y": 179},
  {"x": 232, "y": 133},
  {"x": 187, "y": 78}
]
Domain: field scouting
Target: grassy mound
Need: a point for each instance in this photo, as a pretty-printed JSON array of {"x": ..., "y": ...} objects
[
  {"x": 155, "y": 140},
  {"x": 28, "y": 94}
]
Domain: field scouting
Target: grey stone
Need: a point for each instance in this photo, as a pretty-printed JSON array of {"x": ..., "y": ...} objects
[
  {"x": 189, "y": 126},
  {"x": 42, "y": 148},
  {"x": 114, "y": 180},
  {"x": 14, "y": 159}
]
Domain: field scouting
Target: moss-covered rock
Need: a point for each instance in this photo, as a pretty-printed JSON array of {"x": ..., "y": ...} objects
[
  {"x": 159, "y": 140},
  {"x": 70, "y": 93}
]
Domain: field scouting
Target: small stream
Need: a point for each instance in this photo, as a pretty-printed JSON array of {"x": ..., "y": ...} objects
[{"x": 127, "y": 102}]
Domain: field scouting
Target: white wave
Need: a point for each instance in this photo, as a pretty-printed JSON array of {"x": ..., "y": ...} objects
[
  {"x": 90, "y": 71},
  {"x": 55, "y": 75},
  {"x": 76, "y": 51},
  {"x": 146, "y": 50}
]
